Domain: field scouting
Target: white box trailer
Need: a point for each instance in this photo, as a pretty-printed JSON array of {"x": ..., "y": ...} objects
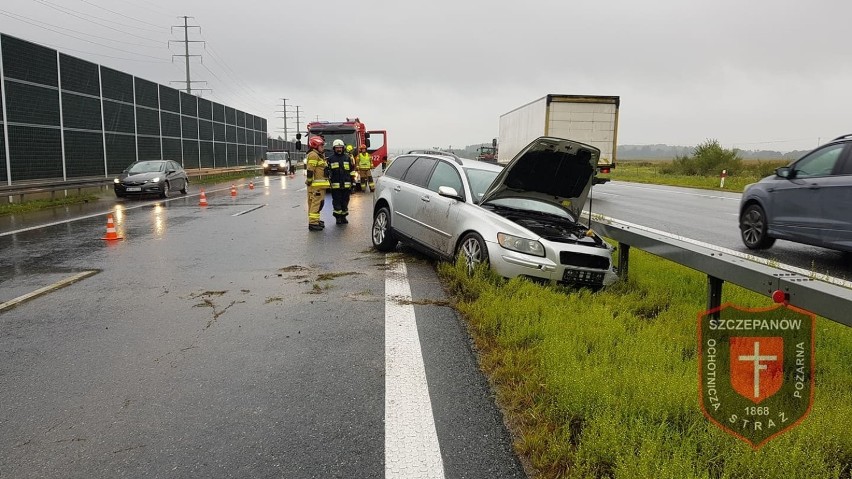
[{"x": 585, "y": 118}]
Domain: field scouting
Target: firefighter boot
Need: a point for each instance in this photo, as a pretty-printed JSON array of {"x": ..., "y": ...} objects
[{"x": 314, "y": 227}]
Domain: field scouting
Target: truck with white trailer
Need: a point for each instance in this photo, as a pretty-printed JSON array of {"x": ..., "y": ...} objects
[{"x": 584, "y": 118}]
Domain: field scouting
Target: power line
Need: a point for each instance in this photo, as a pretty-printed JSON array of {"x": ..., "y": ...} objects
[
  {"x": 151, "y": 6},
  {"x": 83, "y": 39},
  {"x": 125, "y": 16},
  {"x": 235, "y": 94},
  {"x": 18, "y": 17},
  {"x": 73, "y": 14}
]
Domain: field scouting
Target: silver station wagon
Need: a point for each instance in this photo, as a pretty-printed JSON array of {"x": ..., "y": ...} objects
[{"x": 522, "y": 220}]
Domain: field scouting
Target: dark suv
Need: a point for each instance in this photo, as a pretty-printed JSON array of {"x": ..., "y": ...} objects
[{"x": 809, "y": 201}]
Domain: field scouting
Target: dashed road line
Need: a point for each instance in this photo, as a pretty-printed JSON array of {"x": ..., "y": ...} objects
[
  {"x": 47, "y": 289},
  {"x": 412, "y": 450},
  {"x": 248, "y": 210}
]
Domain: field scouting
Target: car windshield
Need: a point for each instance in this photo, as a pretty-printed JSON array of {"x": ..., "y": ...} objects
[
  {"x": 527, "y": 204},
  {"x": 479, "y": 180},
  {"x": 146, "y": 167},
  {"x": 348, "y": 138},
  {"x": 276, "y": 156}
]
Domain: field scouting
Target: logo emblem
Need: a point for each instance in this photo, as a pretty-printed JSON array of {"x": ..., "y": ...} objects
[{"x": 756, "y": 369}]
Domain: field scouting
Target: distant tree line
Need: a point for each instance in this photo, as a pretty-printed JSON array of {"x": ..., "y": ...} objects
[{"x": 666, "y": 152}]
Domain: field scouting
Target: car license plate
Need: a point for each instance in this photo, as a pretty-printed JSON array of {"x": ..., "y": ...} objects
[
  {"x": 582, "y": 277},
  {"x": 134, "y": 188}
]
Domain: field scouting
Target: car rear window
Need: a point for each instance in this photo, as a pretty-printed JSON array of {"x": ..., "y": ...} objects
[{"x": 399, "y": 165}]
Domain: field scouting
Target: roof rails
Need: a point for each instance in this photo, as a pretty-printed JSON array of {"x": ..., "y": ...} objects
[
  {"x": 436, "y": 152},
  {"x": 842, "y": 137}
]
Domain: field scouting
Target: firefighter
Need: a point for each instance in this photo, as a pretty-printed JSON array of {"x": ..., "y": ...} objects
[
  {"x": 365, "y": 168},
  {"x": 317, "y": 181},
  {"x": 342, "y": 170}
]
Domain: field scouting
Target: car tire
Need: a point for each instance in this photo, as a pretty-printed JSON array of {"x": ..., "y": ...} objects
[
  {"x": 185, "y": 184},
  {"x": 753, "y": 228},
  {"x": 473, "y": 250},
  {"x": 382, "y": 234},
  {"x": 165, "y": 192},
  {"x": 119, "y": 195}
]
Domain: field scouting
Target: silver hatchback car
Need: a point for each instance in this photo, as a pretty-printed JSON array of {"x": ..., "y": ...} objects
[
  {"x": 523, "y": 220},
  {"x": 809, "y": 201}
]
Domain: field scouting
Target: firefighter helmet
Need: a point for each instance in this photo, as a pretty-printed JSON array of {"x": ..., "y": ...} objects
[
  {"x": 337, "y": 143},
  {"x": 362, "y": 147},
  {"x": 316, "y": 142},
  {"x": 349, "y": 148}
]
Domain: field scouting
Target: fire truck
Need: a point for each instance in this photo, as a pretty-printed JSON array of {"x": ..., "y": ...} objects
[{"x": 352, "y": 132}]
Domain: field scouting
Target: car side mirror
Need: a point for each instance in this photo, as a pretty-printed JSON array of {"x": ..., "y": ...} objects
[
  {"x": 786, "y": 172},
  {"x": 170, "y": 172},
  {"x": 449, "y": 192}
]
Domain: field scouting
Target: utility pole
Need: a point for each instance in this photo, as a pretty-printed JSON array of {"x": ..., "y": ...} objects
[
  {"x": 285, "y": 110},
  {"x": 298, "y": 123},
  {"x": 186, "y": 41}
]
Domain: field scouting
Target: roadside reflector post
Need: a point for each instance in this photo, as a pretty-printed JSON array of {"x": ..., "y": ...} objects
[
  {"x": 714, "y": 294},
  {"x": 722, "y": 178},
  {"x": 623, "y": 259}
]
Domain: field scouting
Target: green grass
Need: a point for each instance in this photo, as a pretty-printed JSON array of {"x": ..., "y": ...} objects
[
  {"x": 656, "y": 172},
  {"x": 207, "y": 180},
  {"x": 604, "y": 384},
  {"x": 35, "y": 205}
]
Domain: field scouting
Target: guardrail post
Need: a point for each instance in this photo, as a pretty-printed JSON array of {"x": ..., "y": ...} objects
[
  {"x": 623, "y": 259},
  {"x": 714, "y": 294}
]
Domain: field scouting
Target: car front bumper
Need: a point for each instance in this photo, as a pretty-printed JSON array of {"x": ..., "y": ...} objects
[
  {"x": 146, "y": 189},
  {"x": 511, "y": 264}
]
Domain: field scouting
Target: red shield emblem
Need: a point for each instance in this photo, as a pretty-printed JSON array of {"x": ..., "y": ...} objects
[
  {"x": 757, "y": 366},
  {"x": 756, "y": 369}
]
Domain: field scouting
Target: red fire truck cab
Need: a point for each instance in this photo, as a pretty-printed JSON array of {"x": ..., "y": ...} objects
[{"x": 352, "y": 132}]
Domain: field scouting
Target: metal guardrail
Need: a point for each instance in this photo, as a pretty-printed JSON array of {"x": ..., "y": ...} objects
[
  {"x": 824, "y": 298},
  {"x": 30, "y": 188}
]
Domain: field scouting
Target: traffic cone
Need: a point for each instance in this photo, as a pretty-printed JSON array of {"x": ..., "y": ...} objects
[
  {"x": 111, "y": 235},
  {"x": 203, "y": 200},
  {"x": 251, "y": 185},
  {"x": 233, "y": 190}
]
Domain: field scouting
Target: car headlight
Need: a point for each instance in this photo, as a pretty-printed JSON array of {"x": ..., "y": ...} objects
[
  {"x": 155, "y": 179},
  {"x": 116, "y": 180},
  {"x": 521, "y": 245},
  {"x": 265, "y": 164}
]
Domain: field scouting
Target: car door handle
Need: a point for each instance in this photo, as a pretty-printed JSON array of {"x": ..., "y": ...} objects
[
  {"x": 425, "y": 198},
  {"x": 397, "y": 188}
]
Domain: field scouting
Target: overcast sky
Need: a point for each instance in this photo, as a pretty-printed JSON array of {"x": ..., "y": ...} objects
[{"x": 752, "y": 74}]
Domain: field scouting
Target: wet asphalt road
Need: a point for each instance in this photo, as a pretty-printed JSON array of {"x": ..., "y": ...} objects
[
  {"x": 707, "y": 216},
  {"x": 209, "y": 344}
]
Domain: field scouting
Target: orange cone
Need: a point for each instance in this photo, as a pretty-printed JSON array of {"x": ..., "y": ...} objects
[
  {"x": 251, "y": 185},
  {"x": 203, "y": 200},
  {"x": 233, "y": 190},
  {"x": 111, "y": 235}
]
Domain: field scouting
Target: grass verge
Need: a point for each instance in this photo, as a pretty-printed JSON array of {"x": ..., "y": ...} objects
[
  {"x": 656, "y": 172},
  {"x": 34, "y": 205},
  {"x": 603, "y": 385},
  {"x": 224, "y": 177}
]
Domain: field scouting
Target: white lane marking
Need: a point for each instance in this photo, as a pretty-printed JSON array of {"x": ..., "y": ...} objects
[
  {"x": 34, "y": 294},
  {"x": 411, "y": 441},
  {"x": 95, "y": 215},
  {"x": 248, "y": 210},
  {"x": 677, "y": 192}
]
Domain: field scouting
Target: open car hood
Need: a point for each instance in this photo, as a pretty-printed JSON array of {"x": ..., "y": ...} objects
[{"x": 553, "y": 170}]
